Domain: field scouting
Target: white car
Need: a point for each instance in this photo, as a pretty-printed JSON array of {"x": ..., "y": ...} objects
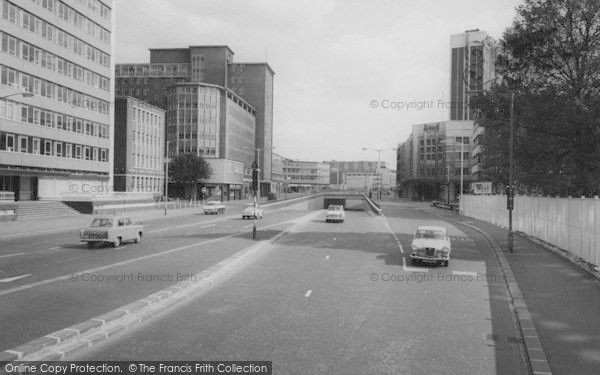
[
  {"x": 111, "y": 230},
  {"x": 335, "y": 212},
  {"x": 431, "y": 244},
  {"x": 250, "y": 213},
  {"x": 214, "y": 207}
]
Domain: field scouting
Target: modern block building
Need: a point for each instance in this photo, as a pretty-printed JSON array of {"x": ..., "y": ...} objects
[
  {"x": 305, "y": 176},
  {"x": 213, "y": 122},
  {"x": 243, "y": 90},
  {"x": 139, "y": 146},
  {"x": 472, "y": 70},
  {"x": 433, "y": 158},
  {"x": 55, "y": 97},
  {"x": 473, "y": 57},
  {"x": 254, "y": 83}
]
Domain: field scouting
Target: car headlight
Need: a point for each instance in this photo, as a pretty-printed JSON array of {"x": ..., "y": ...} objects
[
  {"x": 415, "y": 247},
  {"x": 445, "y": 251}
]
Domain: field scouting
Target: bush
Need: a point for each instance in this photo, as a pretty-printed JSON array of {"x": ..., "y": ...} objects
[{"x": 271, "y": 196}]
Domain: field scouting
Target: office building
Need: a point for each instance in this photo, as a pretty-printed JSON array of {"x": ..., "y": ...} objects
[
  {"x": 211, "y": 69},
  {"x": 433, "y": 158},
  {"x": 139, "y": 146},
  {"x": 472, "y": 70},
  {"x": 57, "y": 141},
  {"x": 473, "y": 57},
  {"x": 254, "y": 83},
  {"x": 305, "y": 176}
]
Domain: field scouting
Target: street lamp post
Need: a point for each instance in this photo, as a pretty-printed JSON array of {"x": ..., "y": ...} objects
[
  {"x": 510, "y": 198},
  {"x": 379, "y": 150},
  {"x": 166, "y": 178}
]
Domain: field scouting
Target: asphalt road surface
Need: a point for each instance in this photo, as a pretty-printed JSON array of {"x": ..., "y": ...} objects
[{"x": 339, "y": 299}]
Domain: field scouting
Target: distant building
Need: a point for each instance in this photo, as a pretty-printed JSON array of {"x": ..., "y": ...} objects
[
  {"x": 430, "y": 160},
  {"x": 139, "y": 146},
  {"x": 305, "y": 176},
  {"x": 58, "y": 142}
]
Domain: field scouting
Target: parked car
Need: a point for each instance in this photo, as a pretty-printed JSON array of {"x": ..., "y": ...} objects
[
  {"x": 214, "y": 207},
  {"x": 250, "y": 213},
  {"x": 111, "y": 230},
  {"x": 335, "y": 212},
  {"x": 431, "y": 244}
]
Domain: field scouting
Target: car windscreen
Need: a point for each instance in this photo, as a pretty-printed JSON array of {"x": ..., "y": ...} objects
[
  {"x": 431, "y": 234},
  {"x": 102, "y": 223}
]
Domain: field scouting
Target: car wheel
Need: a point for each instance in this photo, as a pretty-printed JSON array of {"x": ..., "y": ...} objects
[
  {"x": 138, "y": 238},
  {"x": 446, "y": 263},
  {"x": 117, "y": 242}
]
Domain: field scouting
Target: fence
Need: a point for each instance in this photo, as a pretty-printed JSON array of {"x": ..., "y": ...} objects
[{"x": 572, "y": 224}]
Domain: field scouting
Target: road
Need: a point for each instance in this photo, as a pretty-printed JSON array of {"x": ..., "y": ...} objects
[
  {"x": 50, "y": 282},
  {"x": 341, "y": 299}
]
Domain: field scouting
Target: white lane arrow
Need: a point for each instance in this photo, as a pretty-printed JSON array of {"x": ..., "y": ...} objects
[{"x": 8, "y": 280}]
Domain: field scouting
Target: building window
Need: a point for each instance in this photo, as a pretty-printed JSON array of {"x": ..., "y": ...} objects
[{"x": 23, "y": 144}]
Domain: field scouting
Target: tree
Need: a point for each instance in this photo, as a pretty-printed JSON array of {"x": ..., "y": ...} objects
[
  {"x": 188, "y": 169},
  {"x": 551, "y": 61}
]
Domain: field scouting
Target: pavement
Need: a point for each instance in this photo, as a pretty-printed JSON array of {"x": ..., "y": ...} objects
[{"x": 559, "y": 303}]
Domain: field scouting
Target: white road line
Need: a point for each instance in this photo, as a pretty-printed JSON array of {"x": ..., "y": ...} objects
[
  {"x": 8, "y": 280},
  {"x": 11, "y": 255},
  {"x": 55, "y": 248},
  {"x": 247, "y": 226},
  {"x": 145, "y": 257},
  {"x": 308, "y": 293},
  {"x": 159, "y": 230},
  {"x": 210, "y": 225},
  {"x": 412, "y": 269}
]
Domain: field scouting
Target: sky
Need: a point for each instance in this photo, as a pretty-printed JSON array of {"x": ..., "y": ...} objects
[{"x": 340, "y": 65}]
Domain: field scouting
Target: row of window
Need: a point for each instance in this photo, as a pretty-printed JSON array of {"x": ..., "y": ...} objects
[
  {"x": 144, "y": 159},
  {"x": 434, "y": 141},
  {"x": 145, "y": 184},
  {"x": 439, "y": 156},
  {"x": 152, "y": 70},
  {"x": 28, "y": 52},
  {"x": 442, "y": 172},
  {"x": 42, "y": 28},
  {"x": 42, "y": 146},
  {"x": 97, "y": 7},
  {"x": 38, "y": 86},
  {"x": 209, "y": 148},
  {"x": 33, "y": 115},
  {"x": 76, "y": 19}
]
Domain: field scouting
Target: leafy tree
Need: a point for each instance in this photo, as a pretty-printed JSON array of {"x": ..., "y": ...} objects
[
  {"x": 188, "y": 169},
  {"x": 551, "y": 61}
]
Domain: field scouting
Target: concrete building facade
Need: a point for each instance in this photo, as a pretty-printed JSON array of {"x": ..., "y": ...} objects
[
  {"x": 250, "y": 84},
  {"x": 305, "y": 176},
  {"x": 139, "y": 146},
  {"x": 55, "y": 98},
  {"x": 430, "y": 161}
]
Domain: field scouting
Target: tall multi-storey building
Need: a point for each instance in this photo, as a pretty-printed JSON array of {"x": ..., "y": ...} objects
[
  {"x": 213, "y": 122},
  {"x": 254, "y": 83},
  {"x": 211, "y": 67},
  {"x": 139, "y": 146},
  {"x": 472, "y": 60},
  {"x": 433, "y": 159},
  {"x": 55, "y": 95},
  {"x": 473, "y": 57}
]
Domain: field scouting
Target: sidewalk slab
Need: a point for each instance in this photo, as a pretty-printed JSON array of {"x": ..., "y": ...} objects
[{"x": 563, "y": 303}]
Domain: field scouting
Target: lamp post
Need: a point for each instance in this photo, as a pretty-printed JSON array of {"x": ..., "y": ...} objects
[
  {"x": 166, "y": 177},
  {"x": 510, "y": 196},
  {"x": 379, "y": 150}
]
